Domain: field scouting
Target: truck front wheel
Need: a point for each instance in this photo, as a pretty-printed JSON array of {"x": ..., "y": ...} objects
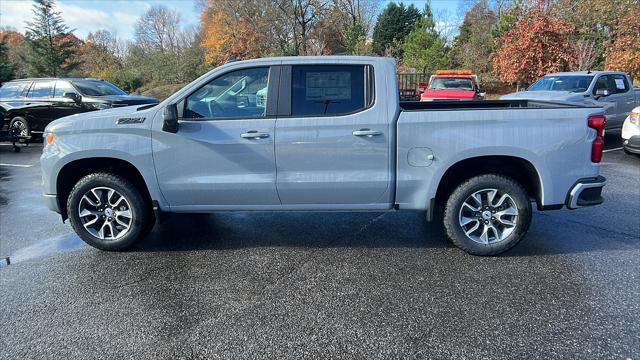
[
  {"x": 487, "y": 214},
  {"x": 108, "y": 212}
]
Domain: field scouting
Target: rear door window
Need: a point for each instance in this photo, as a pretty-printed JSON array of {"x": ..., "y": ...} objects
[
  {"x": 325, "y": 90},
  {"x": 618, "y": 84},
  {"x": 12, "y": 90},
  {"x": 40, "y": 89}
]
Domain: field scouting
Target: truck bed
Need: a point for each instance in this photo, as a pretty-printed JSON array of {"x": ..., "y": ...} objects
[{"x": 482, "y": 104}]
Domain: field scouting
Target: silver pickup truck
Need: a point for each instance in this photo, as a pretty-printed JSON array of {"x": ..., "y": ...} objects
[
  {"x": 317, "y": 134},
  {"x": 612, "y": 90}
]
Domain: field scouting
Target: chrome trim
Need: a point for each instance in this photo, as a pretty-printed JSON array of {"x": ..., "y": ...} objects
[{"x": 578, "y": 188}]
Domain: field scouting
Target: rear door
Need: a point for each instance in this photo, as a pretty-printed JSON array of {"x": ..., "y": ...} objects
[
  {"x": 332, "y": 138},
  {"x": 624, "y": 95},
  {"x": 38, "y": 102}
]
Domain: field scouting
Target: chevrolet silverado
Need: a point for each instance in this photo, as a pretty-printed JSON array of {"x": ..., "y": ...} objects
[{"x": 321, "y": 134}]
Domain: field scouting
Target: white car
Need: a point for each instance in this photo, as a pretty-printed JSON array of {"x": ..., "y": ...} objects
[{"x": 631, "y": 132}]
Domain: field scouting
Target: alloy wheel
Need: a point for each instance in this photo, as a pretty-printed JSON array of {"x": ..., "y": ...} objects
[
  {"x": 488, "y": 216},
  {"x": 105, "y": 213}
]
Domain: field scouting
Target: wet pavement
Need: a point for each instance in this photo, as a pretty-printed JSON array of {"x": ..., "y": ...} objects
[{"x": 308, "y": 285}]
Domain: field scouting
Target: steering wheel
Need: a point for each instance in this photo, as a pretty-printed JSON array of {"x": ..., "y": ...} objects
[{"x": 215, "y": 108}]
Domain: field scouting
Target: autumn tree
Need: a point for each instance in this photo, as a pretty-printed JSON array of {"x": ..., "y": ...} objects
[
  {"x": 594, "y": 21},
  {"x": 623, "y": 51},
  {"x": 229, "y": 29},
  {"x": 393, "y": 25},
  {"x": 424, "y": 49},
  {"x": 50, "y": 43},
  {"x": 7, "y": 69},
  {"x": 535, "y": 46}
]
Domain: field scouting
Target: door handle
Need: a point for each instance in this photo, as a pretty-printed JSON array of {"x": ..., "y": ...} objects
[
  {"x": 366, "y": 132},
  {"x": 254, "y": 134}
]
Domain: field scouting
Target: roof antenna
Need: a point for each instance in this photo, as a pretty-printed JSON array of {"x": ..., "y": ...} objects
[
  {"x": 231, "y": 59},
  {"x": 589, "y": 71}
]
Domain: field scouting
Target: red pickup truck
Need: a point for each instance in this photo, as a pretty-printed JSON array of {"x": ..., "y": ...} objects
[{"x": 452, "y": 85}]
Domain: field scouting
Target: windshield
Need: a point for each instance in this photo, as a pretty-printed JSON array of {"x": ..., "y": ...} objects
[
  {"x": 97, "y": 88},
  {"x": 562, "y": 83},
  {"x": 452, "y": 83}
]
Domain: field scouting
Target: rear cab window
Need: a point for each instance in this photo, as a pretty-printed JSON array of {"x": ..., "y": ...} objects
[
  {"x": 12, "y": 89},
  {"x": 330, "y": 90}
]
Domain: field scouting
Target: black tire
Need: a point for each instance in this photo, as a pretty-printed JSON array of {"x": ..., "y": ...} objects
[
  {"x": 141, "y": 213},
  {"x": 21, "y": 126},
  {"x": 452, "y": 221}
]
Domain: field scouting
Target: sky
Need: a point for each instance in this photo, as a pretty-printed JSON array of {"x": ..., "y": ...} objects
[{"x": 120, "y": 16}]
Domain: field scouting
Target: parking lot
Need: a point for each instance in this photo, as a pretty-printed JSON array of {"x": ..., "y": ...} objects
[{"x": 309, "y": 285}]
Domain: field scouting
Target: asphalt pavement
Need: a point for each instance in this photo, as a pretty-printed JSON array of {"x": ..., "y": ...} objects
[{"x": 310, "y": 285}]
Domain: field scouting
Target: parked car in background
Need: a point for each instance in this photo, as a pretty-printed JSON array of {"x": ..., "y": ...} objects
[
  {"x": 613, "y": 90},
  {"x": 29, "y": 105},
  {"x": 452, "y": 85},
  {"x": 631, "y": 132},
  {"x": 327, "y": 134}
]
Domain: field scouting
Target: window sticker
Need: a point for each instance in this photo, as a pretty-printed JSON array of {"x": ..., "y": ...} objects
[
  {"x": 322, "y": 86},
  {"x": 620, "y": 84}
]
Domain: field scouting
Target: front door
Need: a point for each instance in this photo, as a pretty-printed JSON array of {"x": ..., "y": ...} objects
[
  {"x": 222, "y": 156},
  {"x": 332, "y": 138}
]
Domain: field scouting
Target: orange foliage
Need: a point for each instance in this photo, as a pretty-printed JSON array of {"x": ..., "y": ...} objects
[
  {"x": 225, "y": 35},
  {"x": 14, "y": 38},
  {"x": 623, "y": 52},
  {"x": 535, "y": 46}
]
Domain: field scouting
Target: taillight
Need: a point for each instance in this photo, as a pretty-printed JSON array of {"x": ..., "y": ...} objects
[{"x": 598, "y": 123}]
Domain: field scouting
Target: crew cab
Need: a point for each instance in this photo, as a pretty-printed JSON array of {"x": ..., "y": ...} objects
[
  {"x": 613, "y": 90},
  {"x": 28, "y": 105},
  {"x": 452, "y": 85},
  {"x": 321, "y": 134}
]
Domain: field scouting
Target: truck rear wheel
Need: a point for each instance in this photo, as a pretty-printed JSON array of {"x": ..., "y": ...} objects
[
  {"x": 487, "y": 214},
  {"x": 108, "y": 212}
]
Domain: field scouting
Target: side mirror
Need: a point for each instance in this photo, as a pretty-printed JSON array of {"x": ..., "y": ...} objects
[
  {"x": 73, "y": 96},
  {"x": 170, "y": 119},
  {"x": 602, "y": 93}
]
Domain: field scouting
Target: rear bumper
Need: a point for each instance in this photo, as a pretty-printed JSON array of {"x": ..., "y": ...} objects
[
  {"x": 51, "y": 200},
  {"x": 632, "y": 145},
  {"x": 586, "y": 192}
]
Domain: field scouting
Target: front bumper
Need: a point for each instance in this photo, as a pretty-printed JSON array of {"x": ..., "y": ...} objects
[
  {"x": 632, "y": 145},
  {"x": 586, "y": 192},
  {"x": 51, "y": 200}
]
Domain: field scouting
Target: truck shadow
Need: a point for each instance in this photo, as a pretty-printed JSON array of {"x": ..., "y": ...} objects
[
  {"x": 220, "y": 231},
  {"x": 293, "y": 229}
]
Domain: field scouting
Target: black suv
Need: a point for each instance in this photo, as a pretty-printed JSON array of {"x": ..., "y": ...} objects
[{"x": 28, "y": 105}]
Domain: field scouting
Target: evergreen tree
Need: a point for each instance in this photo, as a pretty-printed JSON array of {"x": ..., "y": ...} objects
[
  {"x": 424, "y": 49},
  {"x": 393, "y": 25},
  {"x": 355, "y": 39},
  {"x": 7, "y": 69},
  {"x": 51, "y": 45}
]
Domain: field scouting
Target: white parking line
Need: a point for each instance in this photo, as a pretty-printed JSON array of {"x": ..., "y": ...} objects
[
  {"x": 610, "y": 150},
  {"x": 16, "y": 165}
]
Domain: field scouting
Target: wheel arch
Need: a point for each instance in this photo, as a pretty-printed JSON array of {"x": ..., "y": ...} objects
[
  {"x": 73, "y": 171},
  {"x": 517, "y": 168}
]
